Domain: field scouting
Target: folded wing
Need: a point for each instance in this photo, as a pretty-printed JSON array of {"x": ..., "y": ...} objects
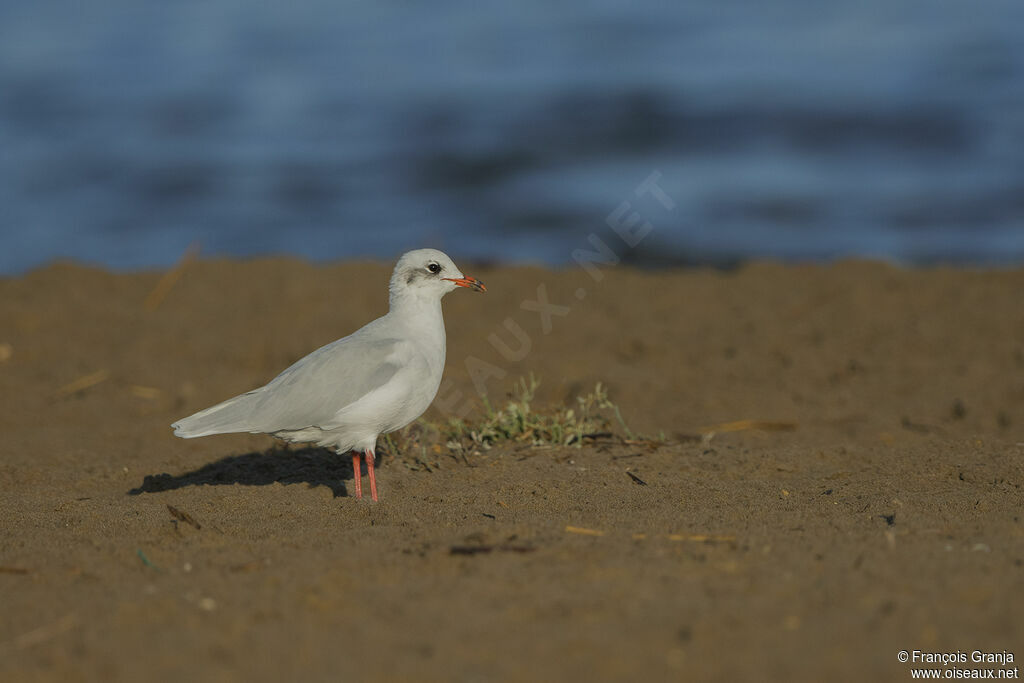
[{"x": 309, "y": 393}]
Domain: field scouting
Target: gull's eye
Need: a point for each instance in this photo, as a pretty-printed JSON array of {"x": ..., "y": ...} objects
[{"x": 434, "y": 268}]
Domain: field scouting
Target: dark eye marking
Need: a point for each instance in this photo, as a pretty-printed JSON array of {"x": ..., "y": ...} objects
[{"x": 434, "y": 268}]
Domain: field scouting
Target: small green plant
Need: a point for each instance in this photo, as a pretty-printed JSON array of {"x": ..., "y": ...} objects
[
  {"x": 593, "y": 416},
  {"x": 519, "y": 422}
]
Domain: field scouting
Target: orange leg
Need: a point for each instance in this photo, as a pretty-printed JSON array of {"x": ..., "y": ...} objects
[
  {"x": 373, "y": 478},
  {"x": 356, "y": 475}
]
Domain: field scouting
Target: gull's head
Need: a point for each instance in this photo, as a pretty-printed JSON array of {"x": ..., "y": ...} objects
[{"x": 429, "y": 273}]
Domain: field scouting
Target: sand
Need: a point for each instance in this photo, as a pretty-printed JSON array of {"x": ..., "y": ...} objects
[{"x": 888, "y": 518}]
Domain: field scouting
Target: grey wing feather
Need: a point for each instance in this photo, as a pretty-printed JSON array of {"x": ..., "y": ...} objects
[{"x": 307, "y": 394}]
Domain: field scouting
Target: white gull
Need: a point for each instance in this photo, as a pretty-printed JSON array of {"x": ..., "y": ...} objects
[{"x": 374, "y": 381}]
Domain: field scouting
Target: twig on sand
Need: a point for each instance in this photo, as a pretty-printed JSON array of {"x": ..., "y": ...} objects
[
  {"x": 702, "y": 538},
  {"x": 692, "y": 538},
  {"x": 183, "y": 516},
  {"x": 148, "y": 393},
  {"x": 709, "y": 433},
  {"x": 164, "y": 285},
  {"x": 484, "y": 549},
  {"x": 45, "y": 632},
  {"x": 82, "y": 383},
  {"x": 636, "y": 479}
]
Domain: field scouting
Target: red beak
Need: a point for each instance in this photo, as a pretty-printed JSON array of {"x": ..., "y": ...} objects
[{"x": 470, "y": 282}]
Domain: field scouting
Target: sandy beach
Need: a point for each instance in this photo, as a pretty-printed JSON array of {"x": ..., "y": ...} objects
[{"x": 832, "y": 475}]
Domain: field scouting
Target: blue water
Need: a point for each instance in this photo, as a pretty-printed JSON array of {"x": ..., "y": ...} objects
[{"x": 788, "y": 129}]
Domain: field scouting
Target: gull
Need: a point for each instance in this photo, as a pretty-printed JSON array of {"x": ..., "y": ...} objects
[{"x": 374, "y": 381}]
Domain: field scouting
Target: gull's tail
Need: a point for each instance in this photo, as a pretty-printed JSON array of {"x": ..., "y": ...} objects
[{"x": 233, "y": 415}]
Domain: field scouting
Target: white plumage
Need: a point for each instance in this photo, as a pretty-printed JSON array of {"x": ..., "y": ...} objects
[{"x": 376, "y": 380}]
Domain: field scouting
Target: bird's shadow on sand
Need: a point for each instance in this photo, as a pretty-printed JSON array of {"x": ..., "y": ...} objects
[{"x": 313, "y": 466}]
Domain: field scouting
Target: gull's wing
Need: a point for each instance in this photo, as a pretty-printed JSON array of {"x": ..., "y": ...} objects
[{"x": 310, "y": 392}]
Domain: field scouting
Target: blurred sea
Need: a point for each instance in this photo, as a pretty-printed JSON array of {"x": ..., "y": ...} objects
[{"x": 789, "y": 129}]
